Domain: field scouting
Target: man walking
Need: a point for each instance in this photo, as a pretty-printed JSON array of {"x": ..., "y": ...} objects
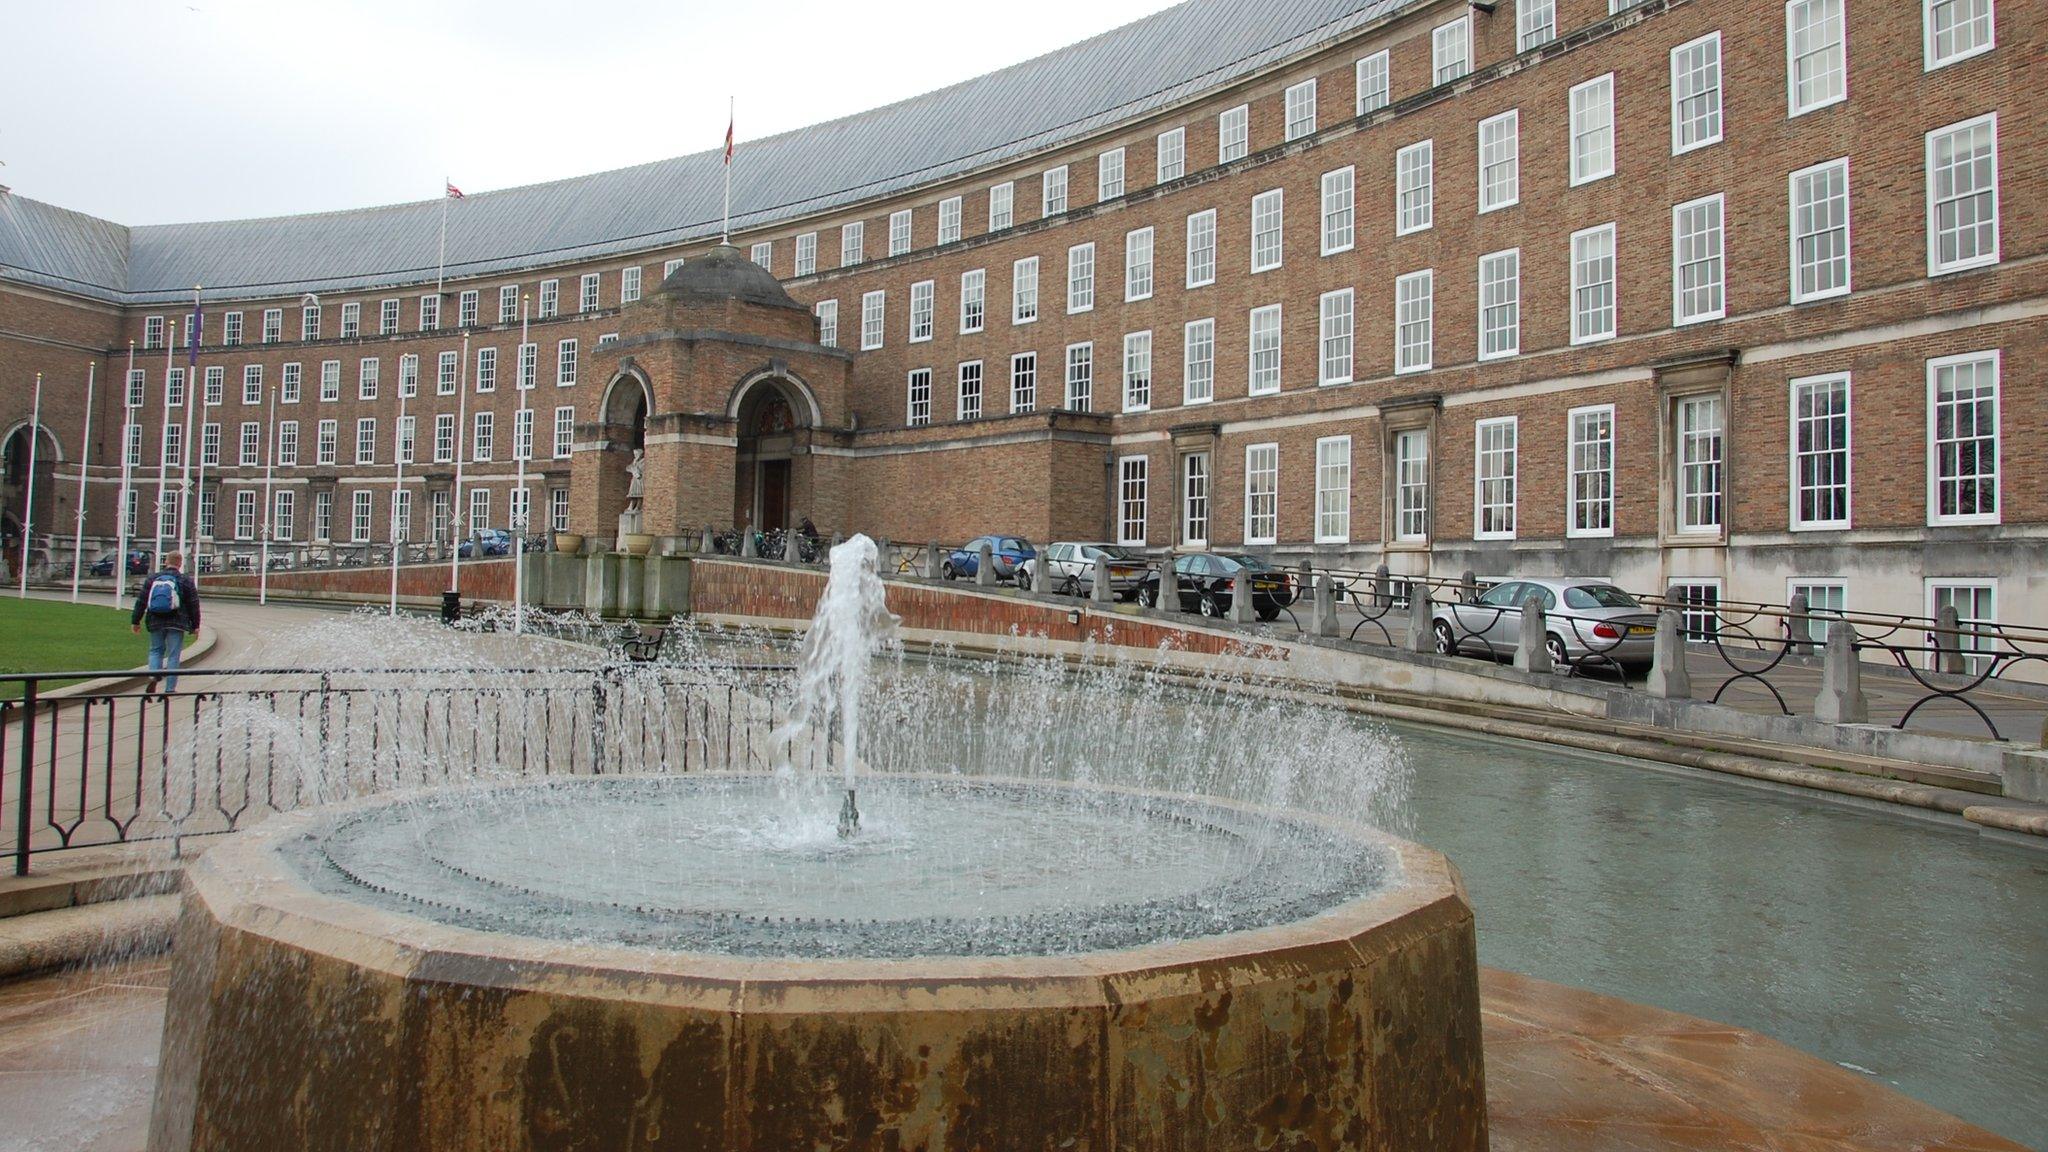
[{"x": 169, "y": 606}]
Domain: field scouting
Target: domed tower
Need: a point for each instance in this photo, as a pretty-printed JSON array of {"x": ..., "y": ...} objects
[{"x": 717, "y": 381}]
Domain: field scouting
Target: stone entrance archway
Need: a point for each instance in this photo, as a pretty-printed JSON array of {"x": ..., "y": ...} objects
[{"x": 772, "y": 475}]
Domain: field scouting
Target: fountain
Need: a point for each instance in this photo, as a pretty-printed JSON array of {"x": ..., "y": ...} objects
[{"x": 959, "y": 960}]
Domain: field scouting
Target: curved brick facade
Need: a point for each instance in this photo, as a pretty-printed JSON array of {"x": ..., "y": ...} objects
[{"x": 1664, "y": 453}]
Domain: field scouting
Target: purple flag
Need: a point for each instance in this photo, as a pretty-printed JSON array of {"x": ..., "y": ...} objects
[{"x": 193, "y": 330}]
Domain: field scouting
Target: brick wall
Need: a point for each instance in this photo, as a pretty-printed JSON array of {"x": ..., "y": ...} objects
[
  {"x": 489, "y": 579},
  {"x": 758, "y": 591}
]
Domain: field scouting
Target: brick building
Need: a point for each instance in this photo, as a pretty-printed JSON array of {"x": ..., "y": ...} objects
[{"x": 1743, "y": 295}]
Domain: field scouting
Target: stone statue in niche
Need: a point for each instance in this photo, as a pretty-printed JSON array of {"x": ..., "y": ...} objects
[{"x": 629, "y": 520}]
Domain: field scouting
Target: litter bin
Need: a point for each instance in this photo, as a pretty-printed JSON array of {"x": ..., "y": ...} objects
[{"x": 451, "y": 607}]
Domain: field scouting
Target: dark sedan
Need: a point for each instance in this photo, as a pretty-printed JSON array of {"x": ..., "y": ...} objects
[{"x": 1207, "y": 581}]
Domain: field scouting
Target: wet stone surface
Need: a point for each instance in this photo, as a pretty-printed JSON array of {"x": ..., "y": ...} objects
[{"x": 754, "y": 866}]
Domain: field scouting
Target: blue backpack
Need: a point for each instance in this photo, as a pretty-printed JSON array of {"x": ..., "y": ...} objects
[{"x": 163, "y": 594}]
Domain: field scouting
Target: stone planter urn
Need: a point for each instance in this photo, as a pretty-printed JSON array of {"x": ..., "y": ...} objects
[
  {"x": 570, "y": 542},
  {"x": 635, "y": 543}
]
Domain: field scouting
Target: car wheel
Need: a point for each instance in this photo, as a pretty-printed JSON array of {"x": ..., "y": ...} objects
[
  {"x": 1210, "y": 607},
  {"x": 1554, "y": 644},
  {"x": 947, "y": 570},
  {"x": 1446, "y": 643},
  {"x": 1148, "y": 597},
  {"x": 1070, "y": 587}
]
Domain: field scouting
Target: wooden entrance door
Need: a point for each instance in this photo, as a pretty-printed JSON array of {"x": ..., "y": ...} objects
[{"x": 771, "y": 502}]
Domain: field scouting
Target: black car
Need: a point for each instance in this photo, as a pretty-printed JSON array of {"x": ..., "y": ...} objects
[
  {"x": 138, "y": 564},
  {"x": 1207, "y": 580}
]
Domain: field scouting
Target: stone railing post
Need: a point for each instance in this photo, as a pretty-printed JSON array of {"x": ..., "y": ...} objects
[
  {"x": 1948, "y": 641},
  {"x": 1841, "y": 680},
  {"x": 1099, "y": 590},
  {"x": 747, "y": 546},
  {"x": 1382, "y": 588},
  {"x": 1799, "y": 626},
  {"x": 934, "y": 561},
  {"x": 985, "y": 566},
  {"x": 1241, "y": 597},
  {"x": 792, "y": 546},
  {"x": 1323, "y": 621},
  {"x": 1421, "y": 637},
  {"x": 708, "y": 542},
  {"x": 885, "y": 556},
  {"x": 1532, "y": 654},
  {"x": 1469, "y": 586},
  {"x": 1669, "y": 679}
]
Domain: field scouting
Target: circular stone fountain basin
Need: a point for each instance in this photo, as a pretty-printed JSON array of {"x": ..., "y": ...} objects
[{"x": 700, "y": 962}]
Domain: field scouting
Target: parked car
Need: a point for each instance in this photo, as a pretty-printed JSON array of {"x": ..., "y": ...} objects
[
  {"x": 1207, "y": 581},
  {"x": 138, "y": 564},
  {"x": 1006, "y": 552},
  {"x": 1069, "y": 568},
  {"x": 1597, "y": 623},
  {"x": 487, "y": 542}
]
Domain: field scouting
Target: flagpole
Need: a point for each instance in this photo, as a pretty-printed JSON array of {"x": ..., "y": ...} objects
[
  {"x": 397, "y": 486},
  {"x": 121, "y": 514},
  {"x": 455, "y": 510},
  {"x": 519, "y": 483},
  {"x": 198, "y": 486},
  {"x": 269, "y": 500},
  {"x": 28, "y": 505},
  {"x": 84, "y": 456},
  {"x": 188, "y": 518},
  {"x": 441, "y": 264},
  {"x": 725, "y": 232}
]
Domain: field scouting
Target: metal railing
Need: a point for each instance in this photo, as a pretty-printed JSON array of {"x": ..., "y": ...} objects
[{"x": 120, "y": 767}]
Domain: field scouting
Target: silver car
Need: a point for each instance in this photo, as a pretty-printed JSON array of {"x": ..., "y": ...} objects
[
  {"x": 1589, "y": 622},
  {"x": 1069, "y": 568}
]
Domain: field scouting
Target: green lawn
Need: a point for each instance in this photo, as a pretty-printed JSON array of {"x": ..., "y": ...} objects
[{"x": 53, "y": 636}]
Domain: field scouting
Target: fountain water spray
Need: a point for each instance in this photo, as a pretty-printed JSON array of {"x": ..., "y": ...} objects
[{"x": 852, "y": 618}]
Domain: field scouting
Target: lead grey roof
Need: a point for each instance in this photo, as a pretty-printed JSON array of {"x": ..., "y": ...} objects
[{"x": 1041, "y": 103}]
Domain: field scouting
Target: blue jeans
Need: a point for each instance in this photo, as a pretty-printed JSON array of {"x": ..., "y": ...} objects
[{"x": 165, "y": 646}]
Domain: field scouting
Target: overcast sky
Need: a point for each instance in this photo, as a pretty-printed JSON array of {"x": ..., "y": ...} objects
[{"x": 153, "y": 111}]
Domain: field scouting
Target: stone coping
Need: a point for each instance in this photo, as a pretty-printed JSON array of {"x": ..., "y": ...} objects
[{"x": 248, "y": 884}]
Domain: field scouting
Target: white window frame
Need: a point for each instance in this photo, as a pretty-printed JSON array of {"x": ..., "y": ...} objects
[
  {"x": 1079, "y": 386},
  {"x": 1198, "y": 361},
  {"x": 1415, "y": 187},
  {"x": 1535, "y": 23},
  {"x": 1263, "y": 337},
  {"x": 362, "y": 509},
  {"x": 550, "y": 298},
  {"x": 1935, "y": 266},
  {"x": 1684, "y": 522},
  {"x": 827, "y": 312},
  {"x": 565, "y": 433},
  {"x": 629, "y": 292},
  {"x": 874, "y": 315},
  {"x": 1133, "y": 499},
  {"x": 969, "y": 371},
  {"x": 1373, "y": 80},
  {"x": 1081, "y": 278},
  {"x": 1339, "y": 214},
  {"x": 1796, "y": 456},
  {"x": 1261, "y": 460},
  {"x": 1170, "y": 155},
  {"x": 1450, "y": 51},
  {"x": 366, "y": 440},
  {"x": 287, "y": 443},
  {"x": 1201, "y": 258},
  {"x": 1509, "y": 479},
  {"x": 1024, "y": 291},
  {"x": 1196, "y": 478},
  {"x": 1269, "y": 214},
  {"x": 273, "y": 326},
  {"x": 1109, "y": 175},
  {"x": 1601, "y": 472},
  {"x": 1405, "y": 295},
  {"x": 1934, "y": 586},
  {"x": 1717, "y": 261},
  {"x": 1052, "y": 191},
  {"x": 1793, "y": 105},
  {"x": 923, "y": 297},
  {"x": 807, "y": 254},
  {"x": 1592, "y": 118},
  {"x": 1138, "y": 259},
  {"x": 917, "y": 399},
  {"x": 762, "y": 252},
  {"x": 1335, "y": 344},
  {"x": 1333, "y": 493},
  {"x": 1819, "y": 614},
  {"x": 587, "y": 288},
  {"x": 565, "y": 362},
  {"x": 1510, "y": 301},
  {"x": 1848, "y": 263},
  {"x": 1233, "y": 133},
  {"x": 1930, "y": 53},
  {"x": 900, "y": 223},
  {"x": 1138, "y": 371},
  {"x": 1299, "y": 103},
  {"x": 1584, "y": 269},
  {"x": 1935, "y": 366},
  {"x": 950, "y": 217},
  {"x": 1002, "y": 206},
  {"x": 1680, "y": 122},
  {"x": 1508, "y": 191},
  {"x": 1024, "y": 382},
  {"x": 974, "y": 294},
  {"x": 1411, "y": 478},
  {"x": 853, "y": 243}
]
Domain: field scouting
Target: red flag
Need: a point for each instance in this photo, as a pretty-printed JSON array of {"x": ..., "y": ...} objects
[
  {"x": 454, "y": 193},
  {"x": 728, "y": 141}
]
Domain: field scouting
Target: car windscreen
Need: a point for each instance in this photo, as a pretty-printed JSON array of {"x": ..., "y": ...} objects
[
  {"x": 1106, "y": 551},
  {"x": 1250, "y": 563},
  {"x": 1598, "y": 596}
]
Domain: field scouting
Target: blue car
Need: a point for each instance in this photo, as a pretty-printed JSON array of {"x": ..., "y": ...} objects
[
  {"x": 488, "y": 542},
  {"x": 1006, "y": 552}
]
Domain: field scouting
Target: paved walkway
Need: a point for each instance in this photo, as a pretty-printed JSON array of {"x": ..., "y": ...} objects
[{"x": 1566, "y": 1071}]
